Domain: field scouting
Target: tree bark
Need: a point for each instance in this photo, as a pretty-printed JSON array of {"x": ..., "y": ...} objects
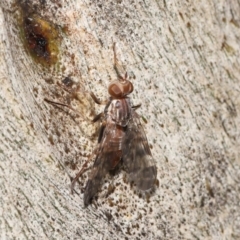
[{"x": 183, "y": 60}]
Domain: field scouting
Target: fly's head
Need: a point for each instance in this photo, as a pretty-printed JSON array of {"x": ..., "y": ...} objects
[{"x": 120, "y": 88}]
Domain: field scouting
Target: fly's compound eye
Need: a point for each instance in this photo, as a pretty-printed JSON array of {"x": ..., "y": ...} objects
[{"x": 119, "y": 89}]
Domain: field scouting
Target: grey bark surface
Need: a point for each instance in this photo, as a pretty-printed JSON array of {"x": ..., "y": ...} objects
[{"x": 183, "y": 60}]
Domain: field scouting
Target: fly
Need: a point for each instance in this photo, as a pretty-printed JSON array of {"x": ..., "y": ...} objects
[{"x": 121, "y": 137}]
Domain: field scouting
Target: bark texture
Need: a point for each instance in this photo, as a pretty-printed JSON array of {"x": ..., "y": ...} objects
[{"x": 183, "y": 60}]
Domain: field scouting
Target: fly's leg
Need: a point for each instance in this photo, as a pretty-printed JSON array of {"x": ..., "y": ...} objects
[
  {"x": 98, "y": 117},
  {"x": 96, "y": 100},
  {"x": 59, "y": 104},
  {"x": 83, "y": 169},
  {"x": 136, "y": 106},
  {"x": 116, "y": 65}
]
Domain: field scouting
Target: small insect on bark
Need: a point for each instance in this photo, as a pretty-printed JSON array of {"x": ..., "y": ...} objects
[{"x": 121, "y": 138}]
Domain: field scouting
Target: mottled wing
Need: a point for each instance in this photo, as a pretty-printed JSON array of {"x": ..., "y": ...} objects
[
  {"x": 107, "y": 158},
  {"x": 137, "y": 157},
  {"x": 94, "y": 181}
]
